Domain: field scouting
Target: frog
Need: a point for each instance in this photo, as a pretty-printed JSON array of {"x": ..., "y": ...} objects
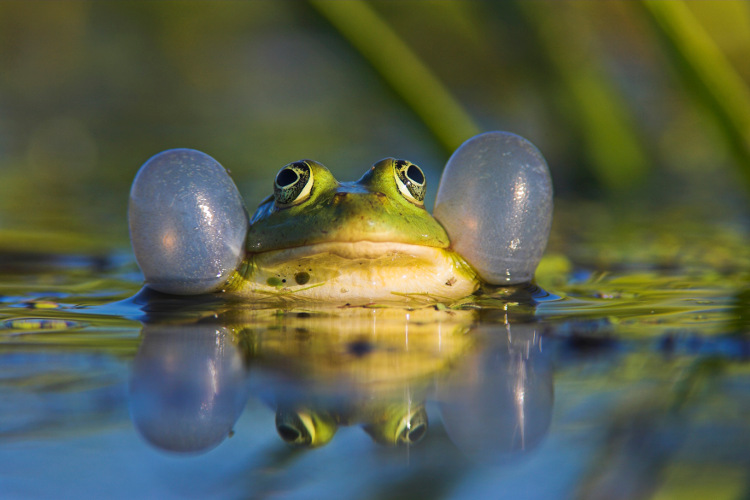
[
  {"x": 317, "y": 239},
  {"x": 320, "y": 239}
]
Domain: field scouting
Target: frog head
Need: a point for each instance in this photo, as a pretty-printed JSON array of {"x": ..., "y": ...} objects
[{"x": 321, "y": 239}]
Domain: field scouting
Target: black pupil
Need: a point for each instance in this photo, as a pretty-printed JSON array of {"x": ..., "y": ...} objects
[
  {"x": 415, "y": 174},
  {"x": 416, "y": 433},
  {"x": 286, "y": 177},
  {"x": 288, "y": 433}
]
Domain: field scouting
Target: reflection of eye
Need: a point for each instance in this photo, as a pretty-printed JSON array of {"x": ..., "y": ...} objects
[
  {"x": 293, "y": 183},
  {"x": 410, "y": 180},
  {"x": 305, "y": 428},
  {"x": 289, "y": 433},
  {"x": 414, "y": 427},
  {"x": 293, "y": 430},
  {"x": 415, "y": 434}
]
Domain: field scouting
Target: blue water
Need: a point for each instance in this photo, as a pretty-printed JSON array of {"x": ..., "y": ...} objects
[{"x": 624, "y": 384}]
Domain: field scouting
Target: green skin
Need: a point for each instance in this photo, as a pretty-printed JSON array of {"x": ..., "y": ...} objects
[
  {"x": 372, "y": 209},
  {"x": 382, "y": 212}
]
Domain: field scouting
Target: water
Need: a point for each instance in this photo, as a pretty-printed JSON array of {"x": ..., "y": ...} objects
[{"x": 628, "y": 378}]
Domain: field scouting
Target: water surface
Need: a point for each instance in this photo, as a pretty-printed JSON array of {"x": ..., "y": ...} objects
[{"x": 627, "y": 382}]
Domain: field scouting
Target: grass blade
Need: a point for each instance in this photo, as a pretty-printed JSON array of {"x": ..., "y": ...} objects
[
  {"x": 401, "y": 68},
  {"x": 706, "y": 69}
]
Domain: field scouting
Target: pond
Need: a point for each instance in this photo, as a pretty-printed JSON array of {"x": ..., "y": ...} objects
[{"x": 624, "y": 377}]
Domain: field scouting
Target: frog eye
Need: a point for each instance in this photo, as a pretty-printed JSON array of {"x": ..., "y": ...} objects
[
  {"x": 410, "y": 181},
  {"x": 413, "y": 428},
  {"x": 305, "y": 428},
  {"x": 399, "y": 426},
  {"x": 293, "y": 183}
]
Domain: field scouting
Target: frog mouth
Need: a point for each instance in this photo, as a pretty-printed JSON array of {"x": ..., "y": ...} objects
[
  {"x": 354, "y": 272},
  {"x": 350, "y": 250}
]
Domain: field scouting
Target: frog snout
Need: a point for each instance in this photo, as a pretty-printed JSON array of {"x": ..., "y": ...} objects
[
  {"x": 339, "y": 198},
  {"x": 347, "y": 197}
]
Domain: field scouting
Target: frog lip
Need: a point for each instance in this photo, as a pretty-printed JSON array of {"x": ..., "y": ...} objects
[{"x": 352, "y": 250}]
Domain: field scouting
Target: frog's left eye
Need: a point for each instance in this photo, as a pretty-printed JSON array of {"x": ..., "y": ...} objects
[
  {"x": 410, "y": 180},
  {"x": 293, "y": 183}
]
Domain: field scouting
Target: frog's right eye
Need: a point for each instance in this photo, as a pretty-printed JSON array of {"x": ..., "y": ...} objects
[
  {"x": 293, "y": 184},
  {"x": 400, "y": 426}
]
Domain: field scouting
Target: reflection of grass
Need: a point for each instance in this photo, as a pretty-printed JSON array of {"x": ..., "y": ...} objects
[{"x": 404, "y": 72}]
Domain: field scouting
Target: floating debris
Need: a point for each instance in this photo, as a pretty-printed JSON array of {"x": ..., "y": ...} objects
[{"x": 28, "y": 325}]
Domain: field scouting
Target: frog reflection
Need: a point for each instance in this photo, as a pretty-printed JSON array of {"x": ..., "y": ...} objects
[
  {"x": 321, "y": 370},
  {"x": 345, "y": 367}
]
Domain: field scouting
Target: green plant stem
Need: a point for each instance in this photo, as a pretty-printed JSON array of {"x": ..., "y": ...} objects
[
  {"x": 401, "y": 68},
  {"x": 704, "y": 65},
  {"x": 610, "y": 138}
]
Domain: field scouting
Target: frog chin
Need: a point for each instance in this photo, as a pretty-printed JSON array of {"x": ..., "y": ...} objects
[{"x": 357, "y": 272}]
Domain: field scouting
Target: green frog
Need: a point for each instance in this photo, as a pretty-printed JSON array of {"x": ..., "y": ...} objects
[{"x": 321, "y": 240}]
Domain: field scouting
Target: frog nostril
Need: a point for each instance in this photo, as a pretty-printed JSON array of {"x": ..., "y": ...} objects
[{"x": 339, "y": 197}]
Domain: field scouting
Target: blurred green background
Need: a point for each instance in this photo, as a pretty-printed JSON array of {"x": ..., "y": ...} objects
[{"x": 638, "y": 106}]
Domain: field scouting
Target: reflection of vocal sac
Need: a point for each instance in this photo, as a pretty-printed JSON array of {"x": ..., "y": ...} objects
[
  {"x": 499, "y": 400},
  {"x": 188, "y": 386}
]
